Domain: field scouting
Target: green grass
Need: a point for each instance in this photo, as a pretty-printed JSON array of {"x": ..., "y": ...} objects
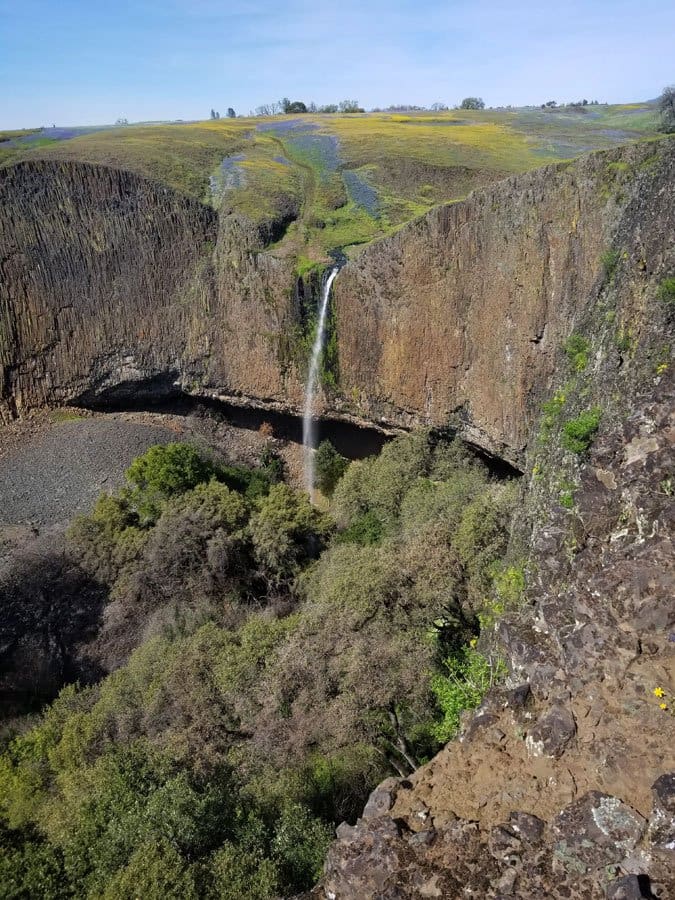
[
  {"x": 412, "y": 162},
  {"x": 181, "y": 156}
]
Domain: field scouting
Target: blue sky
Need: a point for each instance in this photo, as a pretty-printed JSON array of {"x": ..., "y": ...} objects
[{"x": 74, "y": 62}]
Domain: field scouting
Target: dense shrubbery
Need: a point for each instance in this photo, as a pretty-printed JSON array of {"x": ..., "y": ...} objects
[{"x": 286, "y": 659}]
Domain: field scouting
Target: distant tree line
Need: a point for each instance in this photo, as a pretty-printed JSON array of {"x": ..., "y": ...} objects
[
  {"x": 573, "y": 104},
  {"x": 286, "y": 106}
]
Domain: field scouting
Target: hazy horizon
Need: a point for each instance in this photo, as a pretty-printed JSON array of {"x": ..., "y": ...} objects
[{"x": 161, "y": 61}]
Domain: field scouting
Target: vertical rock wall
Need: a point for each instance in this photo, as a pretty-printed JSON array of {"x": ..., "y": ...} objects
[
  {"x": 464, "y": 311},
  {"x": 106, "y": 279}
]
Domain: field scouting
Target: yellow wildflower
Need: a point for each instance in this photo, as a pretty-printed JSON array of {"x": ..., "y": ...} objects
[
  {"x": 663, "y": 706},
  {"x": 658, "y": 692}
]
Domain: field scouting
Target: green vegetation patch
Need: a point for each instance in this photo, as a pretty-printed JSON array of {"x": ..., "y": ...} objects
[
  {"x": 609, "y": 262},
  {"x": 280, "y": 661},
  {"x": 577, "y": 348},
  {"x": 467, "y": 678},
  {"x": 578, "y": 433},
  {"x": 666, "y": 291},
  {"x": 319, "y": 182}
]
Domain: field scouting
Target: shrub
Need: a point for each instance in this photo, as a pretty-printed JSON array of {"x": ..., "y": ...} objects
[
  {"x": 509, "y": 584},
  {"x": 299, "y": 847},
  {"x": 330, "y": 466},
  {"x": 272, "y": 464},
  {"x": 235, "y": 871},
  {"x": 287, "y": 531},
  {"x": 31, "y": 867},
  {"x": 440, "y": 501},
  {"x": 468, "y": 677},
  {"x": 365, "y": 530},
  {"x": 666, "y": 291},
  {"x": 481, "y": 539},
  {"x": 380, "y": 484},
  {"x": 155, "y": 871},
  {"x": 552, "y": 409},
  {"x": 576, "y": 348},
  {"x": 109, "y": 539},
  {"x": 163, "y": 472},
  {"x": 578, "y": 433}
]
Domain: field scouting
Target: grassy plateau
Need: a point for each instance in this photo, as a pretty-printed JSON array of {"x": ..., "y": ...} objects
[{"x": 320, "y": 182}]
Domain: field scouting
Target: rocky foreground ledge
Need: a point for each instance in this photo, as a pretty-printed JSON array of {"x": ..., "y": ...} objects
[{"x": 563, "y": 784}]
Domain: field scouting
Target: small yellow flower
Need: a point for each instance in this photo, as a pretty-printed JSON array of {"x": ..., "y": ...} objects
[
  {"x": 473, "y": 642},
  {"x": 658, "y": 692},
  {"x": 663, "y": 706}
]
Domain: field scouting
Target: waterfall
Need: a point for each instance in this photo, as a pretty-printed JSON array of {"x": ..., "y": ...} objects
[{"x": 308, "y": 420}]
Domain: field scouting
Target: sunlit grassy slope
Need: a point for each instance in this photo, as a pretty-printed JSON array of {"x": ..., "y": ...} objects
[{"x": 319, "y": 182}]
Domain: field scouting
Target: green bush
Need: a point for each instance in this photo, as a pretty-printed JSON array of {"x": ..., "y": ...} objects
[
  {"x": 299, "y": 847},
  {"x": 365, "y": 530},
  {"x": 481, "y": 540},
  {"x": 666, "y": 291},
  {"x": 287, "y": 532},
  {"x": 578, "y": 433},
  {"x": 164, "y": 472},
  {"x": 329, "y": 466},
  {"x": 576, "y": 348},
  {"x": 30, "y": 867},
  {"x": 155, "y": 871},
  {"x": 467, "y": 678},
  {"x": 379, "y": 484},
  {"x": 236, "y": 871}
]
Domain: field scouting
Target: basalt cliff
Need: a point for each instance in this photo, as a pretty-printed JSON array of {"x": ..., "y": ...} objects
[
  {"x": 535, "y": 314},
  {"x": 109, "y": 282}
]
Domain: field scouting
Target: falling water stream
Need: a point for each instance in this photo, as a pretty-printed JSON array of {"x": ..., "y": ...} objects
[{"x": 309, "y": 423}]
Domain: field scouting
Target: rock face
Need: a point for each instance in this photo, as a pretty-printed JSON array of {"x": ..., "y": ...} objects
[
  {"x": 464, "y": 311},
  {"x": 110, "y": 281}
]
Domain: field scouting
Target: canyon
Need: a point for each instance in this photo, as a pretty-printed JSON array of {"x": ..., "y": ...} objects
[
  {"x": 112, "y": 283},
  {"x": 116, "y": 289}
]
